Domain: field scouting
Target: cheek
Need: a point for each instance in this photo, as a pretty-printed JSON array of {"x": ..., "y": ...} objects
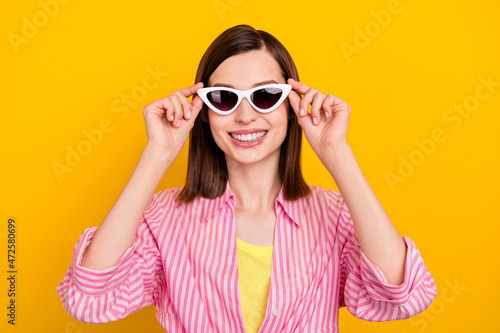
[
  {"x": 280, "y": 118},
  {"x": 217, "y": 124},
  {"x": 214, "y": 120}
]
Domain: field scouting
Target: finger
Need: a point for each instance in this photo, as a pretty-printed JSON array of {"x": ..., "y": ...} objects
[
  {"x": 339, "y": 105},
  {"x": 304, "y": 120},
  {"x": 196, "y": 106},
  {"x": 318, "y": 99},
  {"x": 188, "y": 91},
  {"x": 186, "y": 107},
  {"x": 300, "y": 87},
  {"x": 162, "y": 108},
  {"x": 165, "y": 107},
  {"x": 338, "y": 101},
  {"x": 177, "y": 110},
  {"x": 327, "y": 105},
  {"x": 307, "y": 99},
  {"x": 294, "y": 100},
  {"x": 302, "y": 111}
]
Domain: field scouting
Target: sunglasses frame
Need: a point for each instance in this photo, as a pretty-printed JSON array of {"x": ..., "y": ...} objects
[{"x": 286, "y": 88}]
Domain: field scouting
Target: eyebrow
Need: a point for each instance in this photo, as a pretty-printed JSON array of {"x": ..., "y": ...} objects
[{"x": 255, "y": 85}]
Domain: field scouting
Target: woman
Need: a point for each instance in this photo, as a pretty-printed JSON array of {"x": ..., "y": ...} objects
[{"x": 246, "y": 244}]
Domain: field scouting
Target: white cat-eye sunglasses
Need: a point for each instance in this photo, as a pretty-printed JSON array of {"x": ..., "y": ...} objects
[{"x": 224, "y": 100}]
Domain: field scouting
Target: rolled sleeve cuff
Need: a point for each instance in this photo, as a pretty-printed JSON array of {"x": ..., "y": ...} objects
[
  {"x": 376, "y": 283},
  {"x": 94, "y": 282}
]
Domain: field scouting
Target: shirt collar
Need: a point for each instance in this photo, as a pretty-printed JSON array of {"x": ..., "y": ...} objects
[{"x": 212, "y": 206}]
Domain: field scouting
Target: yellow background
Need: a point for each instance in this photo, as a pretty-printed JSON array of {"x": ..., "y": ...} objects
[{"x": 71, "y": 72}]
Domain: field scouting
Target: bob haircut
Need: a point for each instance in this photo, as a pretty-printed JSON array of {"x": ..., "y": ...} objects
[{"x": 207, "y": 173}]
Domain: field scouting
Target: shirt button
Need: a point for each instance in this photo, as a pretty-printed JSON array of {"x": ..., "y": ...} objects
[{"x": 275, "y": 312}]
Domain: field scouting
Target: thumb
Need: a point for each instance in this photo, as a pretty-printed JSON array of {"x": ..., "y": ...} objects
[
  {"x": 294, "y": 101},
  {"x": 197, "y": 104}
]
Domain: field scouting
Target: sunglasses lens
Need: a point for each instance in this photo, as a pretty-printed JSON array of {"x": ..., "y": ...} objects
[
  {"x": 222, "y": 100},
  {"x": 266, "y": 98}
]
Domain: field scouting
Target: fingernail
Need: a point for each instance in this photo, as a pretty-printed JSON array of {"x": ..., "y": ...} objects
[
  {"x": 292, "y": 79},
  {"x": 178, "y": 123},
  {"x": 172, "y": 117},
  {"x": 189, "y": 114},
  {"x": 302, "y": 111},
  {"x": 315, "y": 121},
  {"x": 327, "y": 114}
]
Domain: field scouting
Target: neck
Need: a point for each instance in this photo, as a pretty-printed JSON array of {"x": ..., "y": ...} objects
[{"x": 255, "y": 186}]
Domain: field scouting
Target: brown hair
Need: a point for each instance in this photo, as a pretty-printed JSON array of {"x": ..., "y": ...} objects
[{"x": 207, "y": 171}]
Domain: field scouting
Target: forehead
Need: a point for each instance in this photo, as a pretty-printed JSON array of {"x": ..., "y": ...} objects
[{"x": 245, "y": 69}]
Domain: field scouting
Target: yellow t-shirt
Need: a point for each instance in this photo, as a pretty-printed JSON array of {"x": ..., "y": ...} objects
[{"x": 254, "y": 269}]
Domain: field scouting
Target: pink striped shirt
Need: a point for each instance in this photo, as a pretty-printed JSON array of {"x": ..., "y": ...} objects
[{"x": 184, "y": 261}]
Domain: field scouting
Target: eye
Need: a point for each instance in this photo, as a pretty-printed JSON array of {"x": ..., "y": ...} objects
[
  {"x": 222, "y": 99},
  {"x": 265, "y": 98}
]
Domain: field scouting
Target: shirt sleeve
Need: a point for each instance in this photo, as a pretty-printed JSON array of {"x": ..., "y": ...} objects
[
  {"x": 364, "y": 289},
  {"x": 133, "y": 283}
]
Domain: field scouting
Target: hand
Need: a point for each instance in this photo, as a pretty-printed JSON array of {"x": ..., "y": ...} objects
[
  {"x": 169, "y": 120},
  {"x": 326, "y": 125}
]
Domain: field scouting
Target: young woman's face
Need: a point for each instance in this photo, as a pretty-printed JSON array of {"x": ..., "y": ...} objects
[{"x": 244, "y": 71}]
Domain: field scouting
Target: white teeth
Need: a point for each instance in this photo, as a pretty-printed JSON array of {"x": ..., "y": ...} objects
[{"x": 248, "y": 137}]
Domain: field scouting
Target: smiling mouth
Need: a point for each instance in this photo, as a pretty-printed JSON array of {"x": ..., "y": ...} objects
[{"x": 248, "y": 137}]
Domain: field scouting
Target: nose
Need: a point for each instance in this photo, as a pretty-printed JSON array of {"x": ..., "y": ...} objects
[{"x": 245, "y": 113}]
